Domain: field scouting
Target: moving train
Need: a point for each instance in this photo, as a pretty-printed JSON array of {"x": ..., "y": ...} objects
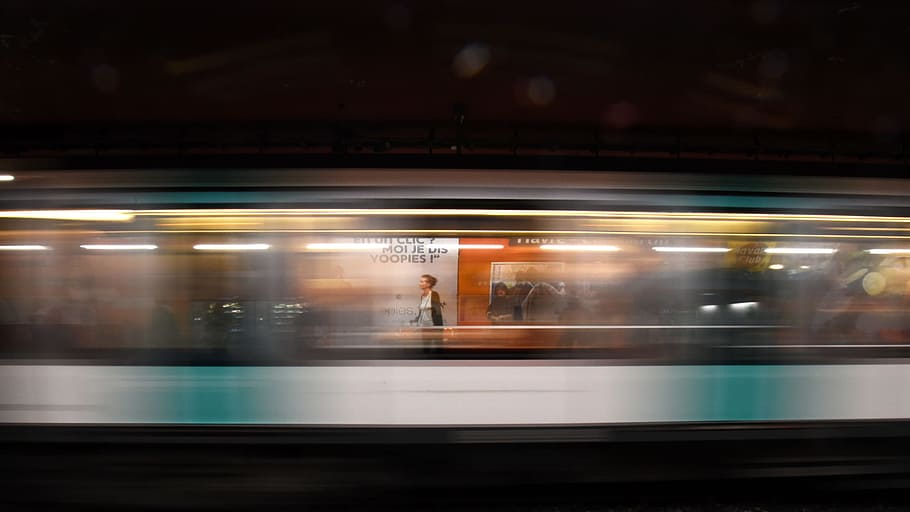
[{"x": 570, "y": 299}]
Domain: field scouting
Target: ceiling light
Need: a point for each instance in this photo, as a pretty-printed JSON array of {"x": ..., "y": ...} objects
[
  {"x": 888, "y": 251},
  {"x": 231, "y": 247},
  {"x": 691, "y": 249},
  {"x": 799, "y": 250},
  {"x": 91, "y": 215},
  {"x": 23, "y": 248},
  {"x": 119, "y": 247},
  {"x": 579, "y": 248}
]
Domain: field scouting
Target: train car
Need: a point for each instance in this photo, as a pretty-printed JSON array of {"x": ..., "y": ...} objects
[{"x": 572, "y": 304}]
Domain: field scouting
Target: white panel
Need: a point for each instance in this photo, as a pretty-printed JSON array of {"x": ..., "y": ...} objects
[{"x": 508, "y": 393}]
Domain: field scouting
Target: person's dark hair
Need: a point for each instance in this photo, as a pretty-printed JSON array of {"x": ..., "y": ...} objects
[
  {"x": 430, "y": 279},
  {"x": 500, "y": 286}
]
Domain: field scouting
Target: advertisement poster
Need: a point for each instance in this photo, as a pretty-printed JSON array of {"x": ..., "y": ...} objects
[
  {"x": 749, "y": 256},
  {"x": 381, "y": 276}
]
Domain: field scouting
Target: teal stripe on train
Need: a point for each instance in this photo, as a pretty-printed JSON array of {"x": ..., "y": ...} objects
[
  {"x": 483, "y": 395},
  {"x": 195, "y": 395}
]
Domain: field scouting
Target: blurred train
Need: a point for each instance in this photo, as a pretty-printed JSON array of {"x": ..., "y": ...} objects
[{"x": 570, "y": 299}]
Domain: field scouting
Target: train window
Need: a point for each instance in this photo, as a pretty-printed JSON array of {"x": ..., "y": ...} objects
[{"x": 715, "y": 289}]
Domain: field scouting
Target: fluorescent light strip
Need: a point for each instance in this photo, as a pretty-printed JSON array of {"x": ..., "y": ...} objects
[
  {"x": 579, "y": 248},
  {"x": 344, "y": 246},
  {"x": 890, "y": 345},
  {"x": 798, "y": 250},
  {"x": 7, "y": 177},
  {"x": 119, "y": 247},
  {"x": 602, "y": 327},
  {"x": 475, "y": 233},
  {"x": 231, "y": 247},
  {"x": 480, "y": 246},
  {"x": 91, "y": 215},
  {"x": 23, "y": 248},
  {"x": 523, "y": 213},
  {"x": 691, "y": 249},
  {"x": 776, "y": 266},
  {"x": 888, "y": 251}
]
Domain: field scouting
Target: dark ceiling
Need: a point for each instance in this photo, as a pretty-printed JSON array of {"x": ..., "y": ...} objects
[{"x": 802, "y": 69}]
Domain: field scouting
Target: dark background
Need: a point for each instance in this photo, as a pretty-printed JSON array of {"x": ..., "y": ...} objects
[{"x": 765, "y": 78}]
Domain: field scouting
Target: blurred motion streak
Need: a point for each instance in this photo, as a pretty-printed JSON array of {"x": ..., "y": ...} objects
[
  {"x": 231, "y": 247},
  {"x": 119, "y": 247},
  {"x": 23, "y": 248},
  {"x": 376, "y": 316},
  {"x": 89, "y": 215},
  {"x": 691, "y": 249}
]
